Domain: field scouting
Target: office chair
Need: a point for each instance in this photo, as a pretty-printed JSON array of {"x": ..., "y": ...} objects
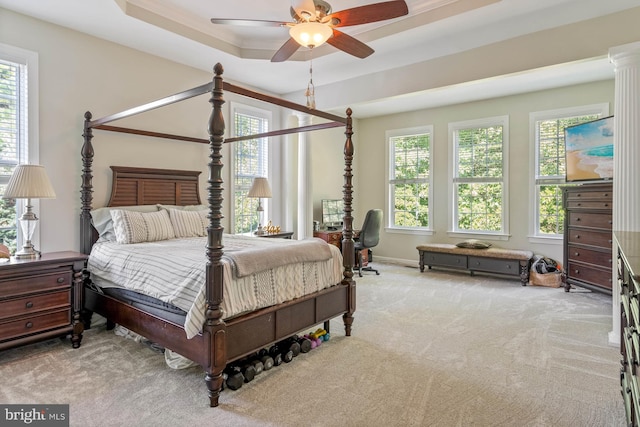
[{"x": 368, "y": 238}]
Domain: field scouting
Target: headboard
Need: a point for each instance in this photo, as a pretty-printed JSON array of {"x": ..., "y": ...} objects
[{"x": 142, "y": 186}]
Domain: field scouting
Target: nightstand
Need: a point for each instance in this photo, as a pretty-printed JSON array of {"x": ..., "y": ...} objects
[{"x": 41, "y": 298}]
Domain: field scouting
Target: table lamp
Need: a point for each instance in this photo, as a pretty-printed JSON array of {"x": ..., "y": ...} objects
[
  {"x": 260, "y": 189},
  {"x": 29, "y": 182}
]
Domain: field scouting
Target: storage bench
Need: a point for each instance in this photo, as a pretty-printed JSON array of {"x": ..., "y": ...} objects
[{"x": 492, "y": 260}]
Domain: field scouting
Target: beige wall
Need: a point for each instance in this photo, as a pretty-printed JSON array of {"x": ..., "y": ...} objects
[{"x": 370, "y": 158}]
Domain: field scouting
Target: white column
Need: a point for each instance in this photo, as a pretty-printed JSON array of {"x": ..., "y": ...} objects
[
  {"x": 305, "y": 187},
  {"x": 626, "y": 148}
]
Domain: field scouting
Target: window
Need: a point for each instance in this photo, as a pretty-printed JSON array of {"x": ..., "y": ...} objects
[
  {"x": 548, "y": 134},
  {"x": 480, "y": 154},
  {"x": 251, "y": 159},
  {"x": 18, "y": 70},
  {"x": 409, "y": 178}
]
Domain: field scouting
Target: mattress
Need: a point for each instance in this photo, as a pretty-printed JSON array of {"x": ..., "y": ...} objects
[{"x": 173, "y": 272}]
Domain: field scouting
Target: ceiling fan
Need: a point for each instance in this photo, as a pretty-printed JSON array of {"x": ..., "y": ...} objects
[{"x": 314, "y": 24}]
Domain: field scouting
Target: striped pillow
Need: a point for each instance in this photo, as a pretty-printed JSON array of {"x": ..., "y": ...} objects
[
  {"x": 138, "y": 227},
  {"x": 189, "y": 223}
]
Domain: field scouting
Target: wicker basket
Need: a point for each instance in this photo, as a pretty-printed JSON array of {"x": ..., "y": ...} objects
[{"x": 550, "y": 280}]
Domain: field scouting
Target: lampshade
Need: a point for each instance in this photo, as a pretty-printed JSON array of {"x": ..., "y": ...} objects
[
  {"x": 260, "y": 188},
  {"x": 29, "y": 182},
  {"x": 311, "y": 34}
]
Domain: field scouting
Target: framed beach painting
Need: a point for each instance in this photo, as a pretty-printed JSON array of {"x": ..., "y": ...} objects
[{"x": 589, "y": 150}]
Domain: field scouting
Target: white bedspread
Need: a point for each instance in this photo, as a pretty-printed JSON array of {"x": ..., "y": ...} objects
[{"x": 174, "y": 272}]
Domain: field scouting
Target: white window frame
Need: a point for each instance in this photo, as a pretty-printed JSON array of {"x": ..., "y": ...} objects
[
  {"x": 239, "y": 108},
  {"x": 389, "y": 196},
  {"x": 28, "y": 146},
  {"x": 454, "y": 127},
  {"x": 534, "y": 178}
]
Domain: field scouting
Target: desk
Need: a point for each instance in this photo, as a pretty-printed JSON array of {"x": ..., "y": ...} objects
[{"x": 335, "y": 238}]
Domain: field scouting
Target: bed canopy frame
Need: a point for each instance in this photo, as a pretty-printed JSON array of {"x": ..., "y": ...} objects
[{"x": 221, "y": 341}]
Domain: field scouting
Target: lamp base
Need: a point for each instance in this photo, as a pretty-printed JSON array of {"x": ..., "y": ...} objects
[{"x": 27, "y": 252}]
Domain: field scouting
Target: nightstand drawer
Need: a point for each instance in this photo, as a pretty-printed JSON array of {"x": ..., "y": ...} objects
[
  {"x": 34, "y": 304},
  {"x": 36, "y": 283},
  {"x": 34, "y": 324}
]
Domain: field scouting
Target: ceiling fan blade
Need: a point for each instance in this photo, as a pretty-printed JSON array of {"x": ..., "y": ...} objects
[
  {"x": 349, "y": 44},
  {"x": 250, "y": 22},
  {"x": 370, "y": 13},
  {"x": 288, "y": 48}
]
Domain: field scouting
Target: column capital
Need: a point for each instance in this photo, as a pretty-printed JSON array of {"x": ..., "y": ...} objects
[{"x": 625, "y": 55}]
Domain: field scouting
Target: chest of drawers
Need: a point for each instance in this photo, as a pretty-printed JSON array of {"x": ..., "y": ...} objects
[
  {"x": 41, "y": 298},
  {"x": 588, "y": 236},
  {"x": 628, "y": 273}
]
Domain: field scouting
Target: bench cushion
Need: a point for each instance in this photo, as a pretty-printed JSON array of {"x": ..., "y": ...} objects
[{"x": 489, "y": 252}]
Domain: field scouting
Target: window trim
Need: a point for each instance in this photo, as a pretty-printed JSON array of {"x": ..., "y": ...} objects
[
  {"x": 453, "y": 156},
  {"x": 535, "y": 116},
  {"x": 417, "y": 130},
  {"x": 32, "y": 154},
  {"x": 237, "y": 107}
]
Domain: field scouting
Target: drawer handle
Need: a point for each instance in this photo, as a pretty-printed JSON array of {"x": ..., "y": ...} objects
[
  {"x": 60, "y": 280},
  {"x": 29, "y": 304},
  {"x": 577, "y": 236},
  {"x": 577, "y": 271},
  {"x": 28, "y": 325},
  {"x": 578, "y": 204},
  {"x": 606, "y": 205},
  {"x": 578, "y": 219},
  {"x": 577, "y": 254}
]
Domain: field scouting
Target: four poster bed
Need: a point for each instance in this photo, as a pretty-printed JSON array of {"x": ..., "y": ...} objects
[{"x": 222, "y": 333}]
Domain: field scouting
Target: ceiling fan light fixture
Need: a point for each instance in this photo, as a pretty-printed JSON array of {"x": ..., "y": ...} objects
[{"x": 311, "y": 34}]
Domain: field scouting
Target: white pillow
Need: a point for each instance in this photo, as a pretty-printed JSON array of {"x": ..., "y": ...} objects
[
  {"x": 138, "y": 227},
  {"x": 188, "y": 223},
  {"x": 102, "y": 222}
]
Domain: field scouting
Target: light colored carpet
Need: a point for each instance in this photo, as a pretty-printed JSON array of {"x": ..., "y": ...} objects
[{"x": 428, "y": 349}]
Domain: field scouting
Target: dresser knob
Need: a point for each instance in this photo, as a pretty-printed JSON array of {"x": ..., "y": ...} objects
[
  {"x": 606, "y": 205},
  {"x": 577, "y": 236},
  {"x": 577, "y": 271},
  {"x": 29, "y": 325},
  {"x": 577, "y": 254},
  {"x": 578, "y": 219},
  {"x": 60, "y": 280},
  {"x": 29, "y": 304}
]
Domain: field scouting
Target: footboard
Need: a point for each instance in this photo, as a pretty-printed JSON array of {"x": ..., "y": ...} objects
[{"x": 253, "y": 331}]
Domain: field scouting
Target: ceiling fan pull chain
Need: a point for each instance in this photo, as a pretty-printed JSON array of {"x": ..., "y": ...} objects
[{"x": 311, "y": 90}]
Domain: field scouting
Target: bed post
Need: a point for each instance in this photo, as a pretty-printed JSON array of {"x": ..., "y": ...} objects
[
  {"x": 86, "y": 233},
  {"x": 348, "y": 249},
  {"x": 214, "y": 329}
]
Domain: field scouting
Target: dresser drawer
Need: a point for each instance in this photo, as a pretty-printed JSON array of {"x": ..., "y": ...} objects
[
  {"x": 34, "y": 304},
  {"x": 595, "y": 220},
  {"x": 602, "y": 259},
  {"x": 592, "y": 275},
  {"x": 34, "y": 324},
  {"x": 602, "y": 239},
  {"x": 599, "y": 194},
  {"x": 494, "y": 265},
  {"x": 36, "y": 283},
  {"x": 589, "y": 204}
]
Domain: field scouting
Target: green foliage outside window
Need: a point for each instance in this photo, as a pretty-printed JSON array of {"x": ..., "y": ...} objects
[
  {"x": 9, "y": 131},
  {"x": 479, "y": 186},
  {"x": 551, "y": 169},
  {"x": 410, "y": 180},
  {"x": 251, "y": 160}
]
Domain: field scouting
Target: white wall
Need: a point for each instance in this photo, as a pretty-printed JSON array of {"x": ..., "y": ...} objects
[{"x": 370, "y": 158}]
